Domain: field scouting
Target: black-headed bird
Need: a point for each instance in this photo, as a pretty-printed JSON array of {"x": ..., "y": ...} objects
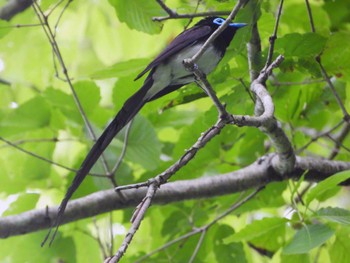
[{"x": 166, "y": 75}]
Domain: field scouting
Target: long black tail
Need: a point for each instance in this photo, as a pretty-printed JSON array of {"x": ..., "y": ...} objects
[{"x": 131, "y": 107}]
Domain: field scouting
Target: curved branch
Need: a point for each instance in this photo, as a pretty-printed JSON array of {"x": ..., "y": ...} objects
[{"x": 255, "y": 175}]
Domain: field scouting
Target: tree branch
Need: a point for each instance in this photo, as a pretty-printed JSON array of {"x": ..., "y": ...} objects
[{"x": 255, "y": 175}]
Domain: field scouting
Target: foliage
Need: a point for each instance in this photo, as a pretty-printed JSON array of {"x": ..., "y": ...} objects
[{"x": 104, "y": 46}]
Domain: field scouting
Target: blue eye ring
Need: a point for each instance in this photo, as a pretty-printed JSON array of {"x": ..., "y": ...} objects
[{"x": 219, "y": 21}]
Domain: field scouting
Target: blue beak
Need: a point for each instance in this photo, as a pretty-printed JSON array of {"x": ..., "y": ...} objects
[{"x": 238, "y": 25}]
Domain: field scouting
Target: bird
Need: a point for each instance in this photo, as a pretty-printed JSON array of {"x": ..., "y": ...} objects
[{"x": 166, "y": 74}]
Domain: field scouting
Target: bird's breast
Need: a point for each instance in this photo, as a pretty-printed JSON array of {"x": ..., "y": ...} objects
[
  {"x": 207, "y": 63},
  {"x": 172, "y": 72}
]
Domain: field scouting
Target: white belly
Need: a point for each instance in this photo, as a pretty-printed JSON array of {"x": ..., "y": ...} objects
[
  {"x": 172, "y": 72},
  {"x": 206, "y": 63}
]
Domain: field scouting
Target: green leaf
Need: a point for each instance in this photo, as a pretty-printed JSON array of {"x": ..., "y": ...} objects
[
  {"x": 5, "y": 27},
  {"x": 335, "y": 214},
  {"x": 301, "y": 45},
  {"x": 326, "y": 185},
  {"x": 138, "y": 14},
  {"x": 123, "y": 89},
  {"x": 336, "y": 55},
  {"x": 309, "y": 237},
  {"x": 143, "y": 146},
  {"x": 231, "y": 252},
  {"x": 88, "y": 94},
  {"x": 259, "y": 228},
  {"x": 339, "y": 251},
  {"x": 300, "y": 258},
  {"x": 122, "y": 69},
  {"x": 33, "y": 114},
  {"x": 338, "y": 12},
  {"x": 175, "y": 221},
  {"x": 64, "y": 249},
  {"x": 23, "y": 203},
  {"x": 189, "y": 136}
]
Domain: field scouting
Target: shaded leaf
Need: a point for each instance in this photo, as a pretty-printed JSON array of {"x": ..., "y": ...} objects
[
  {"x": 309, "y": 237},
  {"x": 301, "y": 45},
  {"x": 335, "y": 214},
  {"x": 260, "y": 228}
]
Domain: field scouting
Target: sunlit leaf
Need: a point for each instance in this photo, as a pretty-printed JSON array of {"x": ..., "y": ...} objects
[
  {"x": 326, "y": 185},
  {"x": 138, "y": 14},
  {"x": 122, "y": 69}
]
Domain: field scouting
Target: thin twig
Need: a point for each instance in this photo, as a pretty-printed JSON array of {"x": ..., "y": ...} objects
[
  {"x": 312, "y": 24},
  {"x": 166, "y": 8},
  {"x": 21, "y": 26},
  {"x": 14, "y": 145},
  {"x": 273, "y": 38},
  {"x": 98, "y": 238},
  {"x": 338, "y": 145},
  {"x": 94, "y": 238},
  {"x": 339, "y": 140},
  {"x": 48, "y": 13},
  {"x": 111, "y": 235},
  {"x": 246, "y": 88},
  {"x": 170, "y": 243},
  {"x": 125, "y": 144},
  {"x": 61, "y": 15},
  {"x": 199, "y": 244},
  {"x": 35, "y": 140},
  {"x": 318, "y": 136},
  {"x": 184, "y": 16},
  {"x": 346, "y": 115},
  {"x": 277, "y": 83},
  {"x": 195, "y": 11},
  {"x": 36, "y": 155}
]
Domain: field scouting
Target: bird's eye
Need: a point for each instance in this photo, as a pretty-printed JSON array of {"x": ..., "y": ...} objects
[{"x": 219, "y": 21}]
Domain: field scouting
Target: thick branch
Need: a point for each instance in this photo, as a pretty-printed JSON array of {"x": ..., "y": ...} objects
[{"x": 257, "y": 174}]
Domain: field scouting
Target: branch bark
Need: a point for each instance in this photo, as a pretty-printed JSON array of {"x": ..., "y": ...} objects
[{"x": 255, "y": 175}]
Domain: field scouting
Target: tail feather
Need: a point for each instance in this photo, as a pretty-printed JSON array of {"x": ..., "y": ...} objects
[{"x": 130, "y": 108}]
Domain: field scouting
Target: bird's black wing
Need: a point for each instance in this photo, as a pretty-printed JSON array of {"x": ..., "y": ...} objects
[{"x": 185, "y": 39}]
